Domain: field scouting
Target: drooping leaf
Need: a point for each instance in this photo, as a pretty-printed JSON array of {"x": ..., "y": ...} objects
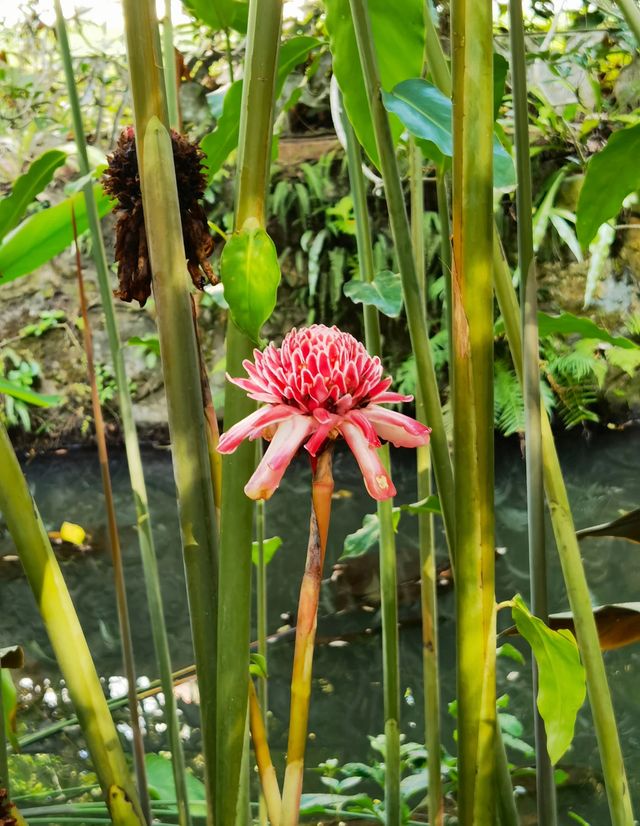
[
  {"x": 25, "y": 394},
  {"x": 431, "y": 504},
  {"x": 399, "y": 39},
  {"x": 9, "y": 707},
  {"x": 26, "y": 187},
  {"x": 384, "y": 292},
  {"x": 612, "y": 174},
  {"x": 11, "y": 657},
  {"x": 618, "y": 624},
  {"x": 258, "y": 666},
  {"x": 162, "y": 786},
  {"x": 270, "y": 546},
  {"x": 220, "y": 14},
  {"x": 45, "y": 234},
  {"x": 219, "y": 144},
  {"x": 561, "y": 677},
  {"x": 250, "y": 274},
  {"x": 362, "y": 540},
  {"x": 427, "y": 114},
  {"x": 625, "y": 527},
  {"x": 567, "y": 324}
]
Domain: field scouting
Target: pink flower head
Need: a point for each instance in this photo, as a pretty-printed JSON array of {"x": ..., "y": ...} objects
[{"x": 320, "y": 384}]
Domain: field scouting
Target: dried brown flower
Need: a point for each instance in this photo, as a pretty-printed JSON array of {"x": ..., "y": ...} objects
[
  {"x": 122, "y": 181},
  {"x": 6, "y": 818}
]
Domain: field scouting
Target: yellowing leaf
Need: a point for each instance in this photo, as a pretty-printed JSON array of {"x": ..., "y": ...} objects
[{"x": 72, "y": 533}]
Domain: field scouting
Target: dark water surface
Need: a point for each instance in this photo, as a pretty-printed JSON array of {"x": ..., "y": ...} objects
[{"x": 603, "y": 477}]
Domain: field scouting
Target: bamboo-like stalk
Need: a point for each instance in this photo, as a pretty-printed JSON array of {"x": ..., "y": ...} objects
[
  {"x": 254, "y": 161},
  {"x": 388, "y": 562},
  {"x": 132, "y": 447},
  {"x": 617, "y": 787},
  {"x": 68, "y": 642},
  {"x": 124, "y": 620},
  {"x": 402, "y": 239},
  {"x": 428, "y": 584},
  {"x": 631, "y": 12},
  {"x": 545, "y": 782},
  {"x": 268, "y": 778},
  {"x": 170, "y": 74},
  {"x": 180, "y": 360},
  {"x": 322, "y": 490},
  {"x": 472, "y": 289}
]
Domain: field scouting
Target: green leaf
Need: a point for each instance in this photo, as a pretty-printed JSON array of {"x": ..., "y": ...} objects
[
  {"x": 561, "y": 676},
  {"x": 26, "y": 187},
  {"x": 162, "y": 786},
  {"x": 384, "y": 292},
  {"x": 270, "y": 546},
  {"x": 220, "y": 14},
  {"x": 11, "y": 657},
  {"x": 362, "y": 540},
  {"x": 511, "y": 652},
  {"x": 258, "y": 666},
  {"x": 24, "y": 394},
  {"x": 399, "y": 39},
  {"x": 427, "y": 114},
  {"x": 568, "y": 324},
  {"x": 612, "y": 174},
  {"x": 45, "y": 234},
  {"x": 250, "y": 274},
  {"x": 625, "y": 527},
  {"x": 9, "y": 708},
  {"x": 430, "y": 504},
  {"x": 219, "y": 144},
  {"x": 500, "y": 69},
  {"x": 150, "y": 343}
]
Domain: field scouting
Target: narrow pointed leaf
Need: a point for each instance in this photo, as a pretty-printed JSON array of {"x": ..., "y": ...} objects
[
  {"x": 250, "y": 274},
  {"x": 25, "y": 394},
  {"x": 567, "y": 324},
  {"x": 561, "y": 687},
  {"x": 26, "y": 187},
  {"x": 384, "y": 292},
  {"x": 626, "y": 527}
]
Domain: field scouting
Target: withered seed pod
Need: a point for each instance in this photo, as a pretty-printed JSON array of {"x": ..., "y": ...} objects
[{"x": 121, "y": 180}]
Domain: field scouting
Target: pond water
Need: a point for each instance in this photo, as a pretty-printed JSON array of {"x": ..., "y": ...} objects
[{"x": 602, "y": 477}]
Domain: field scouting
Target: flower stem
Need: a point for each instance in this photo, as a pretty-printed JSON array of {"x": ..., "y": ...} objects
[
  {"x": 261, "y": 621},
  {"x": 472, "y": 396},
  {"x": 114, "y": 543},
  {"x": 307, "y": 618},
  {"x": 254, "y": 161},
  {"x": 69, "y": 644},
  {"x": 132, "y": 446},
  {"x": 545, "y": 782},
  {"x": 268, "y": 778}
]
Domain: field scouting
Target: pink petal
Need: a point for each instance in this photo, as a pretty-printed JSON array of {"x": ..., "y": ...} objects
[
  {"x": 284, "y": 445},
  {"x": 357, "y": 417},
  {"x": 376, "y": 478},
  {"x": 400, "y": 430},
  {"x": 389, "y": 397},
  {"x": 252, "y": 425}
]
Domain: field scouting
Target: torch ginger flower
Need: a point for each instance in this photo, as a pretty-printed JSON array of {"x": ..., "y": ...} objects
[{"x": 320, "y": 384}]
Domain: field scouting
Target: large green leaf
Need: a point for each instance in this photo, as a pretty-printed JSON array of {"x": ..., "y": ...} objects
[
  {"x": 625, "y": 527},
  {"x": 26, "y": 187},
  {"x": 384, "y": 292},
  {"x": 399, "y": 38},
  {"x": 220, "y": 14},
  {"x": 561, "y": 677},
  {"x": 250, "y": 274},
  {"x": 612, "y": 174},
  {"x": 45, "y": 234},
  {"x": 219, "y": 144},
  {"x": 25, "y": 394},
  {"x": 427, "y": 114}
]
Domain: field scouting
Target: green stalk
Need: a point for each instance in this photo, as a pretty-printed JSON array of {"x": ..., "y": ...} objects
[
  {"x": 507, "y": 810},
  {"x": 180, "y": 358},
  {"x": 227, "y": 40},
  {"x": 437, "y": 63},
  {"x": 170, "y": 75},
  {"x": 604, "y": 720},
  {"x": 428, "y": 585},
  {"x": 472, "y": 288},
  {"x": 124, "y": 620},
  {"x": 445, "y": 256},
  {"x": 132, "y": 446},
  {"x": 631, "y": 12},
  {"x": 388, "y": 562},
  {"x": 262, "y": 696},
  {"x": 4, "y": 756},
  {"x": 545, "y": 782},
  {"x": 68, "y": 642},
  {"x": 268, "y": 778},
  {"x": 402, "y": 239},
  {"x": 254, "y": 160}
]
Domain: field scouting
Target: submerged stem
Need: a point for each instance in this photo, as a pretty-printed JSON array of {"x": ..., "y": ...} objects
[{"x": 322, "y": 490}]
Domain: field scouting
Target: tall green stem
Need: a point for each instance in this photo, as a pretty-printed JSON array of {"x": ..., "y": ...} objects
[
  {"x": 254, "y": 160},
  {"x": 4, "y": 758},
  {"x": 132, "y": 447},
  {"x": 388, "y": 562},
  {"x": 472, "y": 289},
  {"x": 170, "y": 74},
  {"x": 631, "y": 12},
  {"x": 604, "y": 720},
  {"x": 545, "y": 783},
  {"x": 69, "y": 644},
  {"x": 402, "y": 239},
  {"x": 261, "y": 613},
  {"x": 445, "y": 256},
  {"x": 428, "y": 584},
  {"x": 180, "y": 360}
]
